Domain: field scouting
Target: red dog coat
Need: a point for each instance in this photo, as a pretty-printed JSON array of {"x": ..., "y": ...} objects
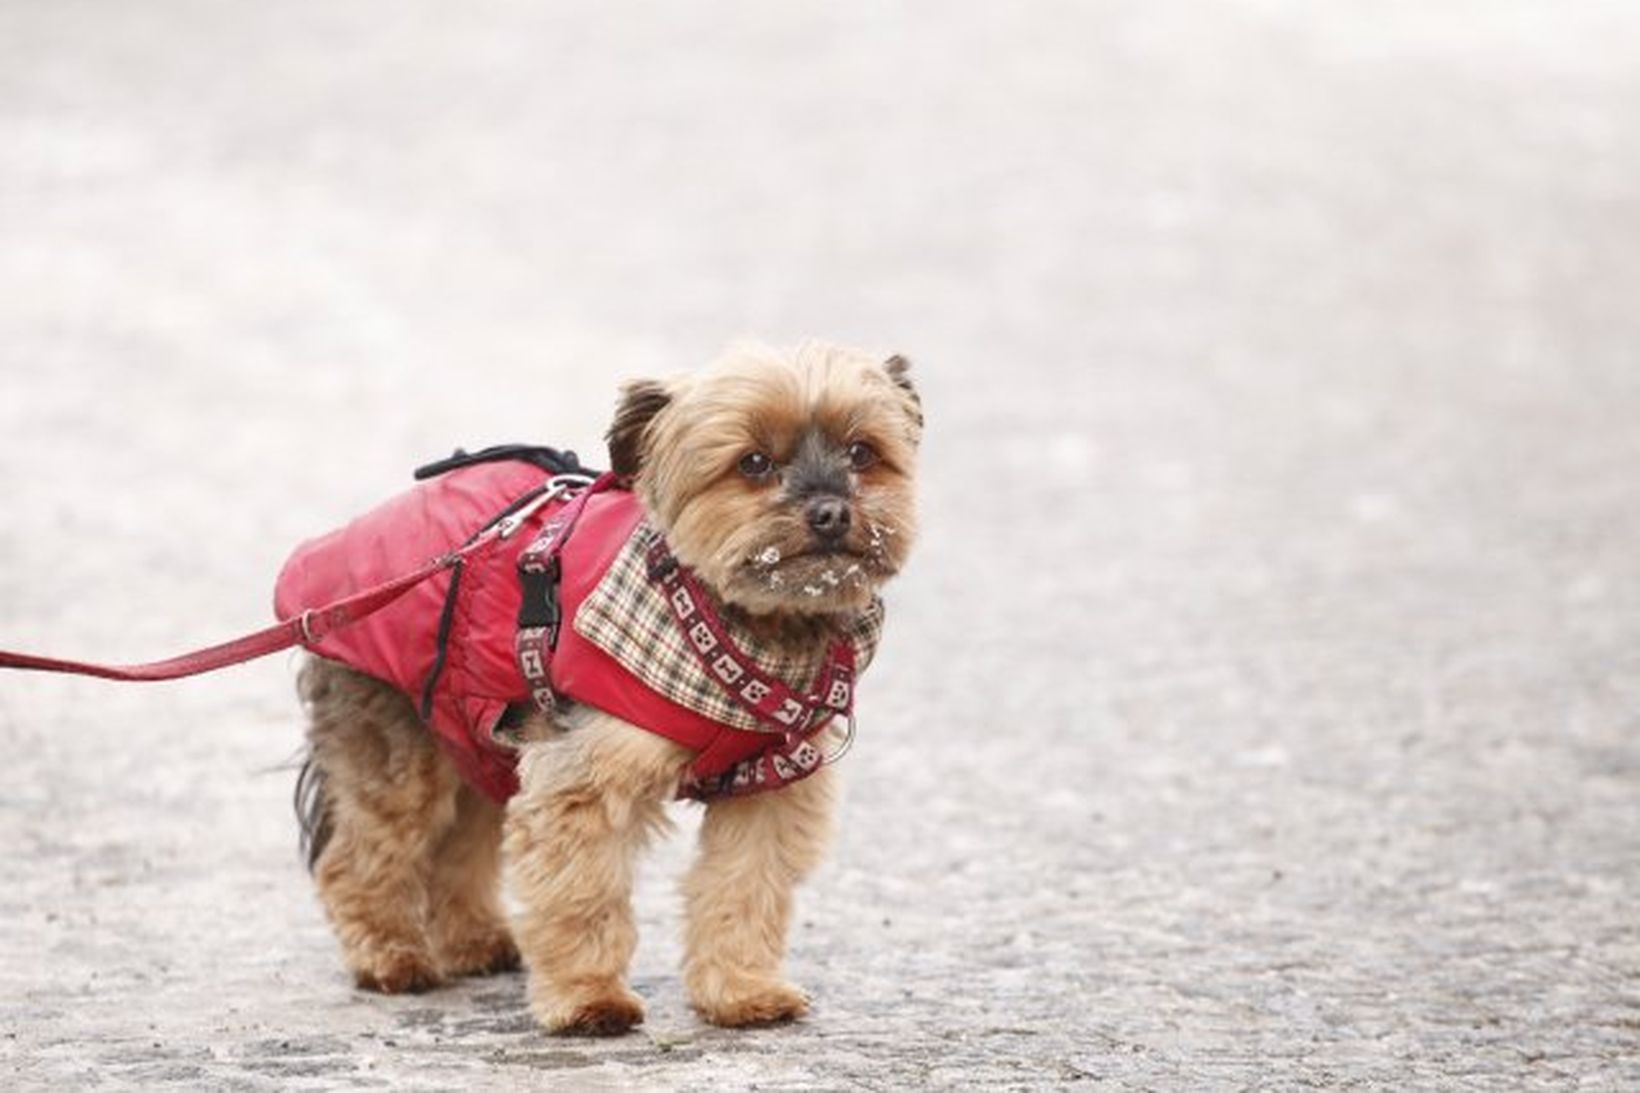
[{"x": 466, "y": 644}]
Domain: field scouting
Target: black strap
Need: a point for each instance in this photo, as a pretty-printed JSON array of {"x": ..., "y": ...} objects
[
  {"x": 442, "y": 642},
  {"x": 551, "y": 460}
]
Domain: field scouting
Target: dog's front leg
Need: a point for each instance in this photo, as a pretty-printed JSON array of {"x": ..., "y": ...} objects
[
  {"x": 753, "y": 851},
  {"x": 588, "y": 802}
]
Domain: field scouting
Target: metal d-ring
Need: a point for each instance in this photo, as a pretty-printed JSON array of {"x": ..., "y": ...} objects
[{"x": 848, "y": 742}]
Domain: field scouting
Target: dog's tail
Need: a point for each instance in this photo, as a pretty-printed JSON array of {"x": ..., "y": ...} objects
[
  {"x": 312, "y": 806},
  {"x": 312, "y": 810},
  {"x": 310, "y": 799}
]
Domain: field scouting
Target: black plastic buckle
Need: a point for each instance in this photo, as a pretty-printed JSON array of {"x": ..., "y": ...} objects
[{"x": 540, "y": 606}]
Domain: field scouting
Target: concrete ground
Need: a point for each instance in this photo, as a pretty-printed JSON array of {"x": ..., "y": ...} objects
[{"x": 1261, "y": 708}]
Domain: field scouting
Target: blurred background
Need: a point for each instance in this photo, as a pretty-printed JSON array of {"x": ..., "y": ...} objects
[{"x": 1260, "y": 707}]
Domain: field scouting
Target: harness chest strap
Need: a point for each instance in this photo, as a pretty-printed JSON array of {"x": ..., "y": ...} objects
[{"x": 797, "y": 719}]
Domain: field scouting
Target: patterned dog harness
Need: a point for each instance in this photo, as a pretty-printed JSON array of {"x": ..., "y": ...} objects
[{"x": 644, "y": 641}]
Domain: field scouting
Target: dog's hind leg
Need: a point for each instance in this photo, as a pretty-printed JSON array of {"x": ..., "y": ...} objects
[
  {"x": 466, "y": 922},
  {"x": 385, "y": 802}
]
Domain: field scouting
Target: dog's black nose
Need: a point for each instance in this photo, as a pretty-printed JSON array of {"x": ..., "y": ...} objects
[{"x": 828, "y": 517}]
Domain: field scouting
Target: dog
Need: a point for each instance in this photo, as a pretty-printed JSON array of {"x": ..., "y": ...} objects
[{"x": 782, "y": 483}]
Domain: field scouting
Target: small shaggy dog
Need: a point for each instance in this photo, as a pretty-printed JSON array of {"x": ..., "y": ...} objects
[{"x": 783, "y": 482}]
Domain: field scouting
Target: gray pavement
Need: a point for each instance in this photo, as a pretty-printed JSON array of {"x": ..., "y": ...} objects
[{"x": 1261, "y": 708}]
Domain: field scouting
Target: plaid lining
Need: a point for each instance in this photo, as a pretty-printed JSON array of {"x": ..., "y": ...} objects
[{"x": 627, "y": 617}]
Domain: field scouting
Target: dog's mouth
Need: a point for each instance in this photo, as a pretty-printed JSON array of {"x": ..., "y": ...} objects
[
  {"x": 774, "y": 559},
  {"x": 813, "y": 572},
  {"x": 828, "y": 550}
]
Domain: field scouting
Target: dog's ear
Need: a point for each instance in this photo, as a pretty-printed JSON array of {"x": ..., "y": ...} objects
[
  {"x": 899, "y": 370},
  {"x": 640, "y": 401}
]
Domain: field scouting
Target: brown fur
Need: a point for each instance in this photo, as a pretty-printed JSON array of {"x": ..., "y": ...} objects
[
  {"x": 408, "y": 871},
  {"x": 408, "y": 859}
]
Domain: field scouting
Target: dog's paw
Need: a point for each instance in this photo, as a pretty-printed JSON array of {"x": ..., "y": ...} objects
[
  {"x": 486, "y": 955},
  {"x": 607, "y": 1011},
  {"x": 744, "y": 1004},
  {"x": 398, "y": 972}
]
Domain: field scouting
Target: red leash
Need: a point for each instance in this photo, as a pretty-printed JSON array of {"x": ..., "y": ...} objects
[{"x": 304, "y": 629}]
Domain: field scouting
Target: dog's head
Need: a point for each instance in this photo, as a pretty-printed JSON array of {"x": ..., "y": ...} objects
[{"x": 784, "y": 480}]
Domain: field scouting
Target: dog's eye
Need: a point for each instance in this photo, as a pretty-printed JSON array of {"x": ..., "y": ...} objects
[
  {"x": 755, "y": 465},
  {"x": 861, "y": 455}
]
